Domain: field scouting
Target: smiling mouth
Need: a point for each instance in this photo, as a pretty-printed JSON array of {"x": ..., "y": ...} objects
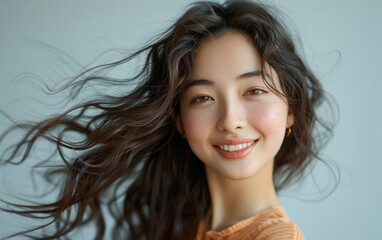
[{"x": 237, "y": 147}]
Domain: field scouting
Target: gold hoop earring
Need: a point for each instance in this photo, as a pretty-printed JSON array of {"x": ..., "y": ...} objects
[{"x": 289, "y": 131}]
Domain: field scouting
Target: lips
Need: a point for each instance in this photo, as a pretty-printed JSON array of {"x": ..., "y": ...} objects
[{"x": 235, "y": 148}]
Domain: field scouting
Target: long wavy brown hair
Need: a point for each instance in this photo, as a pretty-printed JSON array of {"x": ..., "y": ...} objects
[{"x": 131, "y": 161}]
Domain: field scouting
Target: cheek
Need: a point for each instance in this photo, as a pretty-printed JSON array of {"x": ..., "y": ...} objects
[
  {"x": 197, "y": 126},
  {"x": 269, "y": 118}
]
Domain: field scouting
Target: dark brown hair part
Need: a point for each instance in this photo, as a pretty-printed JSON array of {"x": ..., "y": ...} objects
[{"x": 131, "y": 145}]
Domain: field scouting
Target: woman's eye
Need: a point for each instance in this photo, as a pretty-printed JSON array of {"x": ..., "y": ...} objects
[
  {"x": 201, "y": 99},
  {"x": 254, "y": 92}
]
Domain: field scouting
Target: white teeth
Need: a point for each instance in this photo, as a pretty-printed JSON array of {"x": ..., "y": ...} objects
[{"x": 237, "y": 147}]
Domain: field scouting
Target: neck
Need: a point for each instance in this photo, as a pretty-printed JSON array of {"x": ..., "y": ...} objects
[{"x": 235, "y": 200}]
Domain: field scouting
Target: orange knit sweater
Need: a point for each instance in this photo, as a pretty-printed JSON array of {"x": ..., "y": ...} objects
[{"x": 270, "y": 224}]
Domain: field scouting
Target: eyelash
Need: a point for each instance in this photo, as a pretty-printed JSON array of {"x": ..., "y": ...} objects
[
  {"x": 259, "y": 92},
  {"x": 202, "y": 99}
]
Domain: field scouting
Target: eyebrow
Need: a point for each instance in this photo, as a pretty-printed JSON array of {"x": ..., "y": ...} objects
[{"x": 197, "y": 82}]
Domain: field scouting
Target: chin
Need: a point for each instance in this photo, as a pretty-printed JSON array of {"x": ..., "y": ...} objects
[
  {"x": 241, "y": 170},
  {"x": 237, "y": 172}
]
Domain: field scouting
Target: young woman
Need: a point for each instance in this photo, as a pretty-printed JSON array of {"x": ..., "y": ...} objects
[{"x": 221, "y": 119}]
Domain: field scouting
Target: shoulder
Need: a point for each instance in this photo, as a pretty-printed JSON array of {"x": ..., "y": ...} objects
[{"x": 275, "y": 225}]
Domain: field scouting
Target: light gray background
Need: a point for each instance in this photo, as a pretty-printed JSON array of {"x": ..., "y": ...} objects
[{"x": 84, "y": 29}]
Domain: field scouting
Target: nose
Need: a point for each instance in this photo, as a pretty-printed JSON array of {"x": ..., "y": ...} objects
[{"x": 231, "y": 117}]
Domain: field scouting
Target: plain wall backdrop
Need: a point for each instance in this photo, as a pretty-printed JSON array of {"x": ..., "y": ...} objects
[{"x": 341, "y": 42}]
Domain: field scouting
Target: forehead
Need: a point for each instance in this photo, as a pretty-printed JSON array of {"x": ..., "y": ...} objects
[
  {"x": 222, "y": 59},
  {"x": 228, "y": 54}
]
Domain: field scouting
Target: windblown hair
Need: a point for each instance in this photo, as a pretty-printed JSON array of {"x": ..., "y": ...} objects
[{"x": 132, "y": 147}]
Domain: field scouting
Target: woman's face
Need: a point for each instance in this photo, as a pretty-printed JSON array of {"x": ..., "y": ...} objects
[{"x": 231, "y": 120}]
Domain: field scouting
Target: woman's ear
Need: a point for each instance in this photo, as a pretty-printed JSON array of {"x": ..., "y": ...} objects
[
  {"x": 290, "y": 120},
  {"x": 178, "y": 124}
]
